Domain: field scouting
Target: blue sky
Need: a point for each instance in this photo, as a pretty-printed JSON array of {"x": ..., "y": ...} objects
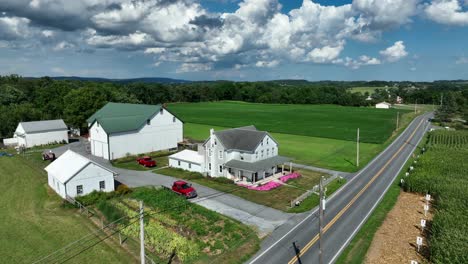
[{"x": 418, "y": 40}]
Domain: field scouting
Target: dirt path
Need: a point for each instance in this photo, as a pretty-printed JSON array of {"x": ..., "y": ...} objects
[{"x": 395, "y": 241}]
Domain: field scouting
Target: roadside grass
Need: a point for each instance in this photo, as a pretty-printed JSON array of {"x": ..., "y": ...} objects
[
  {"x": 356, "y": 251},
  {"x": 34, "y": 223},
  {"x": 324, "y": 121},
  {"x": 321, "y": 152},
  {"x": 278, "y": 198},
  {"x": 313, "y": 200}
]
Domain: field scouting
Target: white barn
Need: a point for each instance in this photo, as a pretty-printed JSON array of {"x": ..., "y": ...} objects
[
  {"x": 188, "y": 160},
  {"x": 36, "y": 133},
  {"x": 119, "y": 129},
  {"x": 383, "y": 105},
  {"x": 73, "y": 175}
]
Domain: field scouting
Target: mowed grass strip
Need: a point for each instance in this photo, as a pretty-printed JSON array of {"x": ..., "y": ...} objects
[
  {"x": 326, "y": 121},
  {"x": 33, "y": 223},
  {"x": 321, "y": 152}
]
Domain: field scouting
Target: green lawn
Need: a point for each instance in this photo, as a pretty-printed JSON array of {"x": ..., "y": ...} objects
[
  {"x": 133, "y": 165},
  {"x": 278, "y": 198},
  {"x": 33, "y": 223},
  {"x": 322, "y": 152},
  {"x": 324, "y": 121}
]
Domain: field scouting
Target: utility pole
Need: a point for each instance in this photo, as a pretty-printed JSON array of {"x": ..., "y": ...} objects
[
  {"x": 142, "y": 235},
  {"x": 397, "y": 119},
  {"x": 321, "y": 211},
  {"x": 357, "y": 149}
]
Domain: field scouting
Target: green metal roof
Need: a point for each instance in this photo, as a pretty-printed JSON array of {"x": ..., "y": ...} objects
[{"x": 119, "y": 117}]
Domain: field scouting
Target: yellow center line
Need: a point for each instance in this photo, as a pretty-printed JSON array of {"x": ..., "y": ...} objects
[{"x": 338, "y": 216}]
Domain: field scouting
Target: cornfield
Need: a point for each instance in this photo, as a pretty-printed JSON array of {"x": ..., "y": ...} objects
[{"x": 443, "y": 172}]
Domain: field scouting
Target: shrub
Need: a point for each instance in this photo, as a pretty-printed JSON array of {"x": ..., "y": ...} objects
[
  {"x": 111, "y": 213},
  {"x": 223, "y": 180},
  {"x": 123, "y": 189},
  {"x": 91, "y": 198}
]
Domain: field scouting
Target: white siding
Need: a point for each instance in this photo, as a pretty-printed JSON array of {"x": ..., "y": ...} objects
[
  {"x": 269, "y": 148},
  {"x": 162, "y": 134},
  {"x": 185, "y": 165},
  {"x": 43, "y": 138},
  {"x": 57, "y": 186},
  {"x": 98, "y": 141},
  {"x": 90, "y": 177}
]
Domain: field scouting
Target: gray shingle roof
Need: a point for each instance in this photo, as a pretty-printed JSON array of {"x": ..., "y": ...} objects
[
  {"x": 242, "y": 138},
  {"x": 258, "y": 165},
  {"x": 43, "y": 126}
]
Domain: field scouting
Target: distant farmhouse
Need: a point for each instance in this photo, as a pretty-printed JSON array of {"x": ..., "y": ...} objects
[
  {"x": 383, "y": 105},
  {"x": 36, "y": 133},
  {"x": 72, "y": 175},
  {"x": 241, "y": 154},
  {"x": 119, "y": 129}
]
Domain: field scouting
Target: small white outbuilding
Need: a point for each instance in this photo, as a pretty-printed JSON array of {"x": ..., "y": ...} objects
[
  {"x": 383, "y": 105},
  {"x": 187, "y": 160},
  {"x": 73, "y": 175},
  {"x": 36, "y": 133}
]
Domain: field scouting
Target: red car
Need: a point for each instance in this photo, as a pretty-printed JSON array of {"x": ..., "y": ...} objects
[
  {"x": 184, "y": 188},
  {"x": 146, "y": 161}
]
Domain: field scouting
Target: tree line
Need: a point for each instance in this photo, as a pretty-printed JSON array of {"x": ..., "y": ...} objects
[{"x": 28, "y": 99}]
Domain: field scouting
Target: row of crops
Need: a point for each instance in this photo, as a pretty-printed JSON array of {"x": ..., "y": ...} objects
[
  {"x": 177, "y": 230},
  {"x": 443, "y": 172}
]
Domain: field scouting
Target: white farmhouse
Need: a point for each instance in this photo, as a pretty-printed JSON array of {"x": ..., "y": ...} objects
[
  {"x": 241, "y": 154},
  {"x": 119, "y": 129},
  {"x": 72, "y": 175},
  {"x": 36, "y": 133},
  {"x": 383, "y": 105}
]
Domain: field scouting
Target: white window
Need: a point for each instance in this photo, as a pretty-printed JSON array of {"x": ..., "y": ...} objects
[
  {"x": 190, "y": 165},
  {"x": 102, "y": 185},
  {"x": 220, "y": 168},
  {"x": 161, "y": 111},
  {"x": 268, "y": 152},
  {"x": 273, "y": 151},
  {"x": 148, "y": 122},
  {"x": 220, "y": 154},
  {"x": 79, "y": 189},
  {"x": 210, "y": 153},
  {"x": 242, "y": 156},
  {"x": 173, "y": 119},
  {"x": 268, "y": 141},
  {"x": 215, "y": 142},
  {"x": 178, "y": 162},
  {"x": 262, "y": 153},
  {"x": 209, "y": 166}
]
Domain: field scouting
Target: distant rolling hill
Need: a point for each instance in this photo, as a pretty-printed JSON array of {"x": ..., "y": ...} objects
[{"x": 131, "y": 80}]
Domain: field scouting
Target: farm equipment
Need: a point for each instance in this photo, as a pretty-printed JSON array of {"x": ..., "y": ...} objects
[
  {"x": 146, "y": 161},
  {"x": 185, "y": 189},
  {"x": 48, "y": 156}
]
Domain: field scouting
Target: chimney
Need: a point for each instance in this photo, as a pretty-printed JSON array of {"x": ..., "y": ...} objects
[{"x": 211, "y": 137}]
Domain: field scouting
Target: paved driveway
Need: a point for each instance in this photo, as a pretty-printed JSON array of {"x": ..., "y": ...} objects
[{"x": 263, "y": 218}]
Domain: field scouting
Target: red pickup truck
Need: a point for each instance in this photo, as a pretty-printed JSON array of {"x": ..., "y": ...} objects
[
  {"x": 184, "y": 188},
  {"x": 146, "y": 161}
]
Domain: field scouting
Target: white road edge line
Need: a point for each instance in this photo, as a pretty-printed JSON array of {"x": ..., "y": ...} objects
[
  {"x": 333, "y": 195},
  {"x": 378, "y": 201}
]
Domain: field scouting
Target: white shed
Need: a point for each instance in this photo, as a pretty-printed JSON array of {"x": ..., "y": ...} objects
[
  {"x": 73, "y": 175},
  {"x": 383, "y": 105},
  {"x": 36, "y": 133},
  {"x": 188, "y": 160}
]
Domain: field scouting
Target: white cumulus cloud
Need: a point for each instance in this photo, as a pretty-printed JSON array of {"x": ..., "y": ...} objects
[
  {"x": 395, "y": 52},
  {"x": 449, "y": 12}
]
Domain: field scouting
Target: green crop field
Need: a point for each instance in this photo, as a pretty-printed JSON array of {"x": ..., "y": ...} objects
[
  {"x": 443, "y": 172},
  {"x": 362, "y": 90},
  {"x": 325, "y": 121},
  {"x": 33, "y": 223},
  {"x": 322, "y": 152}
]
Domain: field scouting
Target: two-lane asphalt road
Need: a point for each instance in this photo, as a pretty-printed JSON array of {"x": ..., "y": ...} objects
[{"x": 347, "y": 209}]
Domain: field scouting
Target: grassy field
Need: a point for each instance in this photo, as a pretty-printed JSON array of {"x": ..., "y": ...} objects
[
  {"x": 363, "y": 90},
  {"x": 324, "y": 121},
  {"x": 278, "y": 198},
  {"x": 33, "y": 223},
  {"x": 322, "y": 152}
]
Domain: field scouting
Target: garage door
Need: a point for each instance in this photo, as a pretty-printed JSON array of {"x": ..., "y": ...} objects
[{"x": 100, "y": 149}]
